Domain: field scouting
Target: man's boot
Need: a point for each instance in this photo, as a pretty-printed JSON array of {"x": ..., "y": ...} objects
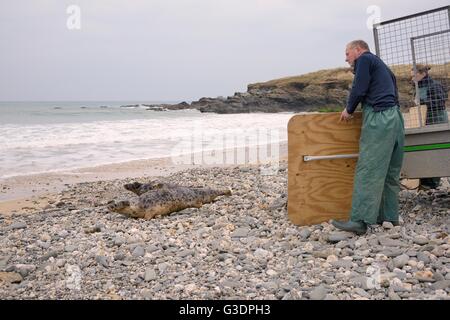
[{"x": 359, "y": 228}]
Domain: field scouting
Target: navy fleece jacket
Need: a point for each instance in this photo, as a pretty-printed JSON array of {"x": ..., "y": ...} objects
[{"x": 374, "y": 84}]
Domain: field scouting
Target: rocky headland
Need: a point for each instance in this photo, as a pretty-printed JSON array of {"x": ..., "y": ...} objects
[{"x": 324, "y": 90}]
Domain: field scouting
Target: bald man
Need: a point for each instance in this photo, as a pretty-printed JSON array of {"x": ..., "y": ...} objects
[{"x": 377, "y": 176}]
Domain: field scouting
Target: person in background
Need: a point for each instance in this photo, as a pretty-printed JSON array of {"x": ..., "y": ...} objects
[
  {"x": 432, "y": 94},
  {"x": 377, "y": 176}
]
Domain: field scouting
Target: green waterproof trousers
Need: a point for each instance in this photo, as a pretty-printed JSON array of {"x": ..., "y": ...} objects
[{"x": 377, "y": 176}]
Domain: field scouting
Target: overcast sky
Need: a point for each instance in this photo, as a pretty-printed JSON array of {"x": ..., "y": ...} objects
[{"x": 174, "y": 50}]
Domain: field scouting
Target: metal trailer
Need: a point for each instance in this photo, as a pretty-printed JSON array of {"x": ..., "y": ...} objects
[{"x": 407, "y": 45}]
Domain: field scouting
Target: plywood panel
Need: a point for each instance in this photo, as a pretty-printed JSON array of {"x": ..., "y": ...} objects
[{"x": 321, "y": 190}]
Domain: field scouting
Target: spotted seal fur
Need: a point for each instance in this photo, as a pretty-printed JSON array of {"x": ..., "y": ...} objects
[
  {"x": 162, "y": 199},
  {"x": 141, "y": 188}
]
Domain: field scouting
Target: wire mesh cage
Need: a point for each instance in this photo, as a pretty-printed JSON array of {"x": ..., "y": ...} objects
[{"x": 417, "y": 49}]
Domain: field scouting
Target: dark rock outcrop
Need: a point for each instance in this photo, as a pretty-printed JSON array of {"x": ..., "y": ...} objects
[
  {"x": 165, "y": 106},
  {"x": 324, "y": 90},
  {"x": 327, "y": 89}
]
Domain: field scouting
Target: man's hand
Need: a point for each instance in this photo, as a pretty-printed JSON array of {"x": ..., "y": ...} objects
[{"x": 345, "y": 115}]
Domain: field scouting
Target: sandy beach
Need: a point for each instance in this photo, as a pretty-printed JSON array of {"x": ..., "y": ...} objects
[{"x": 28, "y": 193}]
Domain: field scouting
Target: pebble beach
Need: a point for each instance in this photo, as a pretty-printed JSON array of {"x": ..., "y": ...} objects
[{"x": 240, "y": 247}]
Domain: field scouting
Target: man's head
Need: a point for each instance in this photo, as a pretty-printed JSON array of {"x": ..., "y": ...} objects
[
  {"x": 354, "y": 50},
  {"x": 421, "y": 72}
]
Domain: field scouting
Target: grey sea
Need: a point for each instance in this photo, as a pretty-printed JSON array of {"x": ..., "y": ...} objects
[{"x": 38, "y": 137}]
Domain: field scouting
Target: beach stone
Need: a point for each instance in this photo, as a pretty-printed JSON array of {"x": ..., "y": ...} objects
[
  {"x": 361, "y": 243},
  {"x": 332, "y": 258},
  {"x": 296, "y": 252},
  {"x": 367, "y": 261},
  {"x": 278, "y": 204},
  {"x": 438, "y": 276},
  {"x": 17, "y": 225},
  {"x": 60, "y": 263},
  {"x": 147, "y": 294},
  {"x": 118, "y": 241},
  {"x": 150, "y": 274},
  {"x": 271, "y": 273},
  {"x": 305, "y": 233},
  {"x": 411, "y": 253},
  {"x": 308, "y": 247},
  {"x": 63, "y": 233},
  {"x": 24, "y": 269},
  {"x": 361, "y": 292},
  {"x": 70, "y": 248},
  {"x": 126, "y": 262},
  {"x": 427, "y": 247},
  {"x": 400, "y": 261},
  {"x": 387, "y": 225},
  {"x": 424, "y": 276},
  {"x": 400, "y": 274},
  {"x": 392, "y": 252},
  {"x": 43, "y": 245},
  {"x": 440, "y": 294},
  {"x": 388, "y": 275},
  {"x": 45, "y": 237},
  {"x": 94, "y": 229},
  {"x": 190, "y": 288},
  {"x": 440, "y": 285},
  {"x": 334, "y": 237},
  {"x": 10, "y": 277},
  {"x": 420, "y": 240},
  {"x": 240, "y": 233},
  {"x": 262, "y": 254},
  {"x": 234, "y": 284},
  {"x": 4, "y": 262},
  {"x": 438, "y": 252},
  {"x": 318, "y": 293},
  {"x": 50, "y": 254},
  {"x": 293, "y": 294},
  {"x": 412, "y": 263},
  {"x": 366, "y": 283},
  {"x": 162, "y": 267},
  {"x": 138, "y": 252},
  {"x": 373, "y": 242},
  {"x": 398, "y": 286},
  {"x": 343, "y": 244},
  {"x": 387, "y": 242},
  {"x": 119, "y": 256},
  {"x": 421, "y": 256},
  {"x": 393, "y": 295},
  {"x": 151, "y": 248},
  {"x": 186, "y": 253},
  {"x": 323, "y": 253},
  {"x": 101, "y": 260},
  {"x": 342, "y": 264}
]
